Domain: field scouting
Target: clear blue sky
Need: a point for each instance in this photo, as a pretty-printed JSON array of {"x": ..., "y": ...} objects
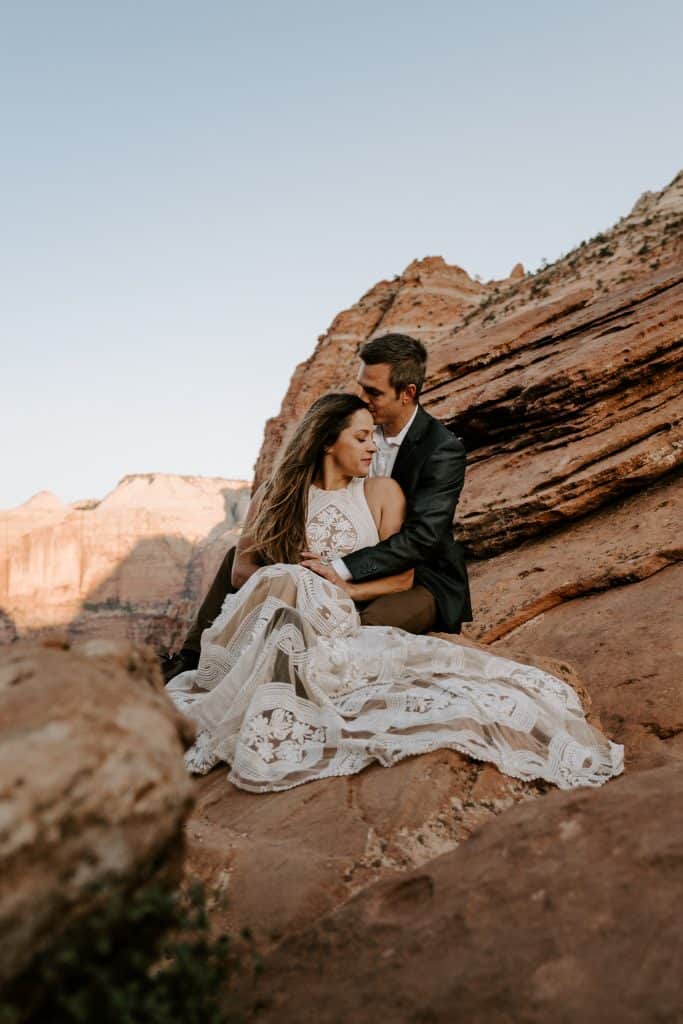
[{"x": 190, "y": 191}]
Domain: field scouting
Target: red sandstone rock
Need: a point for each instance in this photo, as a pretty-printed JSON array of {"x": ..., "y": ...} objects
[
  {"x": 93, "y": 789},
  {"x": 277, "y": 862},
  {"x": 564, "y": 909},
  {"x": 518, "y": 364}
]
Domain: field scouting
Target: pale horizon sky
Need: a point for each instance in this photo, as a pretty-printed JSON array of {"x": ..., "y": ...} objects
[{"x": 190, "y": 192}]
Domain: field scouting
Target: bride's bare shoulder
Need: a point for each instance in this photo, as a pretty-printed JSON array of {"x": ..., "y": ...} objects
[
  {"x": 382, "y": 487},
  {"x": 381, "y": 492},
  {"x": 387, "y": 504}
]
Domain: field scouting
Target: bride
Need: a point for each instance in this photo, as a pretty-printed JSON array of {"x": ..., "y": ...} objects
[{"x": 290, "y": 687}]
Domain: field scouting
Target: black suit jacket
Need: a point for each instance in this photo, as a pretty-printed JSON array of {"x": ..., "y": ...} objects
[{"x": 430, "y": 467}]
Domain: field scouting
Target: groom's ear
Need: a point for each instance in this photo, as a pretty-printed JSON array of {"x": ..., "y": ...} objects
[{"x": 408, "y": 394}]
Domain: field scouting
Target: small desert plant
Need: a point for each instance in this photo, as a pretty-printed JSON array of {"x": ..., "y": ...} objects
[
  {"x": 148, "y": 958},
  {"x": 111, "y": 604}
]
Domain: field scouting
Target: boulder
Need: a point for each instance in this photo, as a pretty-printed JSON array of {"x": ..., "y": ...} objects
[{"x": 93, "y": 789}]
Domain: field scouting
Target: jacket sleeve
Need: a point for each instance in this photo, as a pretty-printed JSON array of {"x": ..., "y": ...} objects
[{"x": 429, "y": 518}]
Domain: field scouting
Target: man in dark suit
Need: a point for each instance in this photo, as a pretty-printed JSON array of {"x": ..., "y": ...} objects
[{"x": 428, "y": 462}]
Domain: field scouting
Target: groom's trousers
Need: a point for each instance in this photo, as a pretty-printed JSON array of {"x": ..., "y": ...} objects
[{"x": 413, "y": 610}]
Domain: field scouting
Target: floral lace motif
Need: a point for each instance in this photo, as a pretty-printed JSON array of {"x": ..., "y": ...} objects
[
  {"x": 339, "y": 521},
  {"x": 330, "y": 533},
  {"x": 280, "y": 736}
]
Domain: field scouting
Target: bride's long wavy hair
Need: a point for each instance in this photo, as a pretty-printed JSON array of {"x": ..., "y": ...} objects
[{"x": 278, "y": 533}]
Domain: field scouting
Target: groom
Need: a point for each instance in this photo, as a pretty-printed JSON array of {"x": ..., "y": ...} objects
[{"x": 428, "y": 462}]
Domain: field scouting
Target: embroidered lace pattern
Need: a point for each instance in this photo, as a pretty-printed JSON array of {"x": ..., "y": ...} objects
[
  {"x": 291, "y": 688},
  {"x": 339, "y": 522}
]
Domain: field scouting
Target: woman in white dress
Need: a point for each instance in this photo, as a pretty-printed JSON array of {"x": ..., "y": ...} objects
[{"x": 290, "y": 687}]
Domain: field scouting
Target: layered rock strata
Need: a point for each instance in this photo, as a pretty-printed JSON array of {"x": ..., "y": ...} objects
[{"x": 565, "y": 385}]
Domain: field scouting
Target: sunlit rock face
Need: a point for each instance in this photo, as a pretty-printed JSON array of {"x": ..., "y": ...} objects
[{"x": 131, "y": 565}]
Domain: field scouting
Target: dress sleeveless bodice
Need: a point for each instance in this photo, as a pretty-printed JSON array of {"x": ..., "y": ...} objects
[{"x": 339, "y": 522}]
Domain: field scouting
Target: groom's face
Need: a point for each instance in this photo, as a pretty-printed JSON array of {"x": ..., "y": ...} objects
[{"x": 383, "y": 402}]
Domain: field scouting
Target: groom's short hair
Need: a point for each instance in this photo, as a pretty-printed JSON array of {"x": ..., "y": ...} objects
[{"x": 406, "y": 356}]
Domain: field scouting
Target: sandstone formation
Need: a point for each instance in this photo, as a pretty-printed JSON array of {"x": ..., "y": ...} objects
[
  {"x": 563, "y": 910},
  {"x": 565, "y": 386},
  {"x": 93, "y": 789},
  {"x": 129, "y": 566}
]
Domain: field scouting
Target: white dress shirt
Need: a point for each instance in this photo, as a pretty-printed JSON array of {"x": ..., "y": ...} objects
[
  {"x": 387, "y": 449},
  {"x": 382, "y": 465}
]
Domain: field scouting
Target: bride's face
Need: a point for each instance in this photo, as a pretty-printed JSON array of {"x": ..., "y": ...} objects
[{"x": 353, "y": 450}]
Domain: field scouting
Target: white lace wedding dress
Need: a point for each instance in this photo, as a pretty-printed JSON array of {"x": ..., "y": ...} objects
[{"x": 290, "y": 687}]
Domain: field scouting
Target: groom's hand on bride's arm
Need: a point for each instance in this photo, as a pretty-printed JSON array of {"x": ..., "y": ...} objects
[
  {"x": 364, "y": 591},
  {"x": 313, "y": 562}
]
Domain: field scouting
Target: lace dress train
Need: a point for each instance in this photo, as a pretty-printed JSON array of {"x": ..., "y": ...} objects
[{"x": 290, "y": 688}]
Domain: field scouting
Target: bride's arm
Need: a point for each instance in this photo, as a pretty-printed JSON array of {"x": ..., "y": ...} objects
[{"x": 246, "y": 562}]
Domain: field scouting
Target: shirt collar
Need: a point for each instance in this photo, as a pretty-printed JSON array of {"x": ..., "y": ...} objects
[{"x": 398, "y": 440}]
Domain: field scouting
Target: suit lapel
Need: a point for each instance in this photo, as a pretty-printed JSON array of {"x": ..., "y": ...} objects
[{"x": 401, "y": 471}]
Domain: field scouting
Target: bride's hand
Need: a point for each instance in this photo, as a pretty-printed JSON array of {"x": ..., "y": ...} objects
[{"x": 324, "y": 569}]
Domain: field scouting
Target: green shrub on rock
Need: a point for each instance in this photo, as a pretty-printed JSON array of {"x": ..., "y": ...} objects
[{"x": 146, "y": 958}]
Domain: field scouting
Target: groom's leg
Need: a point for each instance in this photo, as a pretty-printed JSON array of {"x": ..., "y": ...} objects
[
  {"x": 212, "y": 603},
  {"x": 413, "y": 610}
]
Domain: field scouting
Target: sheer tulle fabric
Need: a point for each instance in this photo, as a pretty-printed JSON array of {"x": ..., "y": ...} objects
[{"x": 291, "y": 688}]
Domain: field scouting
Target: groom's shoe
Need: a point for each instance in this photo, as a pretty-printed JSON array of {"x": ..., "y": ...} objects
[{"x": 185, "y": 661}]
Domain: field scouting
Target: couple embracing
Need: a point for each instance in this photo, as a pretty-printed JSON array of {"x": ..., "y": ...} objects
[{"x": 308, "y": 657}]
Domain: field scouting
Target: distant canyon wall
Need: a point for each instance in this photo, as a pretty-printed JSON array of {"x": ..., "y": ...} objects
[{"x": 128, "y": 566}]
